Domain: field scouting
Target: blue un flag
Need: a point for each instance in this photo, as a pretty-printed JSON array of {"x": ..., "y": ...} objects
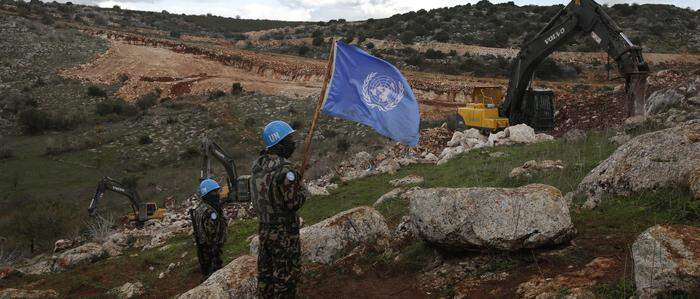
[{"x": 371, "y": 91}]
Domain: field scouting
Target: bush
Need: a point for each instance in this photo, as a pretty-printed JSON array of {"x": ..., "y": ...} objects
[
  {"x": 407, "y": 37},
  {"x": 145, "y": 139},
  {"x": 342, "y": 146},
  {"x": 148, "y": 100},
  {"x": 415, "y": 60},
  {"x": 36, "y": 121},
  {"x": 213, "y": 95},
  {"x": 442, "y": 36},
  {"x": 189, "y": 153},
  {"x": 317, "y": 41},
  {"x": 175, "y": 34},
  {"x": 6, "y": 153},
  {"x": 434, "y": 54},
  {"x": 110, "y": 107},
  {"x": 47, "y": 20},
  {"x": 303, "y": 50},
  {"x": 96, "y": 91},
  {"x": 15, "y": 102},
  {"x": 237, "y": 89}
]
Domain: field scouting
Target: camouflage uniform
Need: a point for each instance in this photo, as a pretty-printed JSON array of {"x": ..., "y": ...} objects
[
  {"x": 209, "y": 231},
  {"x": 276, "y": 202}
]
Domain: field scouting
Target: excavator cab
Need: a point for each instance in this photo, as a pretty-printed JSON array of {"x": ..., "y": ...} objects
[
  {"x": 482, "y": 112},
  {"x": 539, "y": 108}
]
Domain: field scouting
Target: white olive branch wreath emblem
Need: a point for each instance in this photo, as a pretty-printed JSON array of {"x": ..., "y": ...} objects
[{"x": 381, "y": 92}]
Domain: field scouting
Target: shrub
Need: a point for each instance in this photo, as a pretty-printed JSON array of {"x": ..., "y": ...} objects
[
  {"x": 110, "y": 107},
  {"x": 6, "y": 153},
  {"x": 189, "y": 153},
  {"x": 415, "y": 60},
  {"x": 303, "y": 50},
  {"x": 47, "y": 20},
  {"x": 442, "y": 36},
  {"x": 175, "y": 34},
  {"x": 369, "y": 45},
  {"x": 213, "y": 95},
  {"x": 317, "y": 41},
  {"x": 145, "y": 139},
  {"x": 407, "y": 37},
  {"x": 15, "y": 102},
  {"x": 96, "y": 91},
  {"x": 148, "y": 100},
  {"x": 236, "y": 89},
  {"x": 342, "y": 146},
  {"x": 36, "y": 121},
  {"x": 434, "y": 54}
]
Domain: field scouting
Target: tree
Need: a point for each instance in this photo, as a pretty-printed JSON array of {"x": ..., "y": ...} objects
[
  {"x": 117, "y": 7},
  {"x": 442, "y": 36},
  {"x": 407, "y": 37}
]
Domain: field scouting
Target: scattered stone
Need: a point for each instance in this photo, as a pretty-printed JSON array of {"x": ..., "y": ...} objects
[
  {"x": 238, "y": 279},
  {"x": 18, "y": 293},
  {"x": 128, "y": 290},
  {"x": 521, "y": 133},
  {"x": 499, "y": 218},
  {"x": 63, "y": 244},
  {"x": 449, "y": 153},
  {"x": 457, "y": 138},
  {"x": 430, "y": 157},
  {"x": 575, "y": 135},
  {"x": 407, "y": 180},
  {"x": 497, "y": 154},
  {"x": 388, "y": 196},
  {"x": 662, "y": 100},
  {"x": 647, "y": 162},
  {"x": 326, "y": 241},
  {"x": 542, "y": 137},
  {"x": 388, "y": 166},
  {"x": 579, "y": 284},
  {"x": 532, "y": 166},
  {"x": 667, "y": 260}
]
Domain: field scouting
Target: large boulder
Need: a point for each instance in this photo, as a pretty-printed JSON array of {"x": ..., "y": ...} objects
[
  {"x": 667, "y": 260},
  {"x": 521, "y": 133},
  {"x": 330, "y": 239},
  {"x": 238, "y": 279},
  {"x": 654, "y": 160},
  {"x": 496, "y": 218}
]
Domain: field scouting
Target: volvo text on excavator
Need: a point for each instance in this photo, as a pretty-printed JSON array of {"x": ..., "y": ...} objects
[
  {"x": 142, "y": 211},
  {"x": 237, "y": 187},
  {"x": 523, "y": 104}
]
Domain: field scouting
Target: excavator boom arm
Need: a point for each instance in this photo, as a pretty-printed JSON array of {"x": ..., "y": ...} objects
[
  {"x": 580, "y": 16},
  {"x": 110, "y": 184},
  {"x": 211, "y": 149}
]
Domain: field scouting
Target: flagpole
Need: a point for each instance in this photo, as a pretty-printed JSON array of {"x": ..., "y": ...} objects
[{"x": 317, "y": 112}]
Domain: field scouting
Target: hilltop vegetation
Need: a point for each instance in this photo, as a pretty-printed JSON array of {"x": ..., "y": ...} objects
[{"x": 658, "y": 28}]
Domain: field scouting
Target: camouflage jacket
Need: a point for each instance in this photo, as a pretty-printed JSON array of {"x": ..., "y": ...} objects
[
  {"x": 273, "y": 182},
  {"x": 209, "y": 225}
]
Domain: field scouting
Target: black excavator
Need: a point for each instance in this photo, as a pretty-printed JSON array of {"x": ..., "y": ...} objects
[
  {"x": 535, "y": 107},
  {"x": 142, "y": 211},
  {"x": 237, "y": 188}
]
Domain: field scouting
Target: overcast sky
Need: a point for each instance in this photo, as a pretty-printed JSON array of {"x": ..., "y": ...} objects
[{"x": 321, "y": 10}]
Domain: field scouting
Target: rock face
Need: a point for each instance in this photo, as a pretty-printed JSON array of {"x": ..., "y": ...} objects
[
  {"x": 86, "y": 253},
  {"x": 496, "y": 218},
  {"x": 128, "y": 290},
  {"x": 650, "y": 161},
  {"x": 18, "y": 293},
  {"x": 579, "y": 283},
  {"x": 531, "y": 167},
  {"x": 666, "y": 260},
  {"x": 238, "y": 279},
  {"x": 330, "y": 239}
]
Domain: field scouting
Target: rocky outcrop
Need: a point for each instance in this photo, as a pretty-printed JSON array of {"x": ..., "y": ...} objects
[
  {"x": 667, "y": 260},
  {"x": 87, "y": 253},
  {"x": 654, "y": 160},
  {"x": 579, "y": 283},
  {"x": 128, "y": 290},
  {"x": 18, "y": 293},
  {"x": 330, "y": 239},
  {"x": 407, "y": 180},
  {"x": 683, "y": 96},
  {"x": 496, "y": 218},
  {"x": 238, "y": 279},
  {"x": 531, "y": 167}
]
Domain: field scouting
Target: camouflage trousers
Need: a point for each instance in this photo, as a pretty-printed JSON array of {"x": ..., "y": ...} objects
[
  {"x": 279, "y": 265},
  {"x": 209, "y": 259}
]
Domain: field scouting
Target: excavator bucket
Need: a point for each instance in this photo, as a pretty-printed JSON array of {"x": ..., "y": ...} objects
[{"x": 636, "y": 93}]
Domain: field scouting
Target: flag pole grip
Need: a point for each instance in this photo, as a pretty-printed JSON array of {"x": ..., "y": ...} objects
[{"x": 317, "y": 112}]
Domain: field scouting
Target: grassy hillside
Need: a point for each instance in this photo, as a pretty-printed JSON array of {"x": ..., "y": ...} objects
[{"x": 607, "y": 231}]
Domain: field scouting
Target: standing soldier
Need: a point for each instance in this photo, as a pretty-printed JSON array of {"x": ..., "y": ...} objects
[
  {"x": 209, "y": 227},
  {"x": 277, "y": 195}
]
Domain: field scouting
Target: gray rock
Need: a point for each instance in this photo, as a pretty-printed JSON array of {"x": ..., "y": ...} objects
[
  {"x": 666, "y": 260},
  {"x": 238, "y": 279},
  {"x": 654, "y": 160},
  {"x": 575, "y": 135},
  {"x": 388, "y": 166},
  {"x": 662, "y": 100},
  {"x": 620, "y": 139},
  {"x": 496, "y": 218},
  {"x": 388, "y": 196},
  {"x": 521, "y": 133},
  {"x": 531, "y": 167},
  {"x": 330, "y": 239},
  {"x": 407, "y": 180},
  {"x": 128, "y": 290},
  {"x": 84, "y": 254}
]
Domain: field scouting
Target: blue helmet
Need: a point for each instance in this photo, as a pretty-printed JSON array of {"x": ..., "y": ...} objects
[
  {"x": 207, "y": 186},
  {"x": 275, "y": 131}
]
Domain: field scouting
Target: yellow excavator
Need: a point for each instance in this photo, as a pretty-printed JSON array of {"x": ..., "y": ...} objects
[
  {"x": 142, "y": 211},
  {"x": 492, "y": 111}
]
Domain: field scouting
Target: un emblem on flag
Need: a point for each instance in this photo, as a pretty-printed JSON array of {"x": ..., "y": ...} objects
[{"x": 381, "y": 92}]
